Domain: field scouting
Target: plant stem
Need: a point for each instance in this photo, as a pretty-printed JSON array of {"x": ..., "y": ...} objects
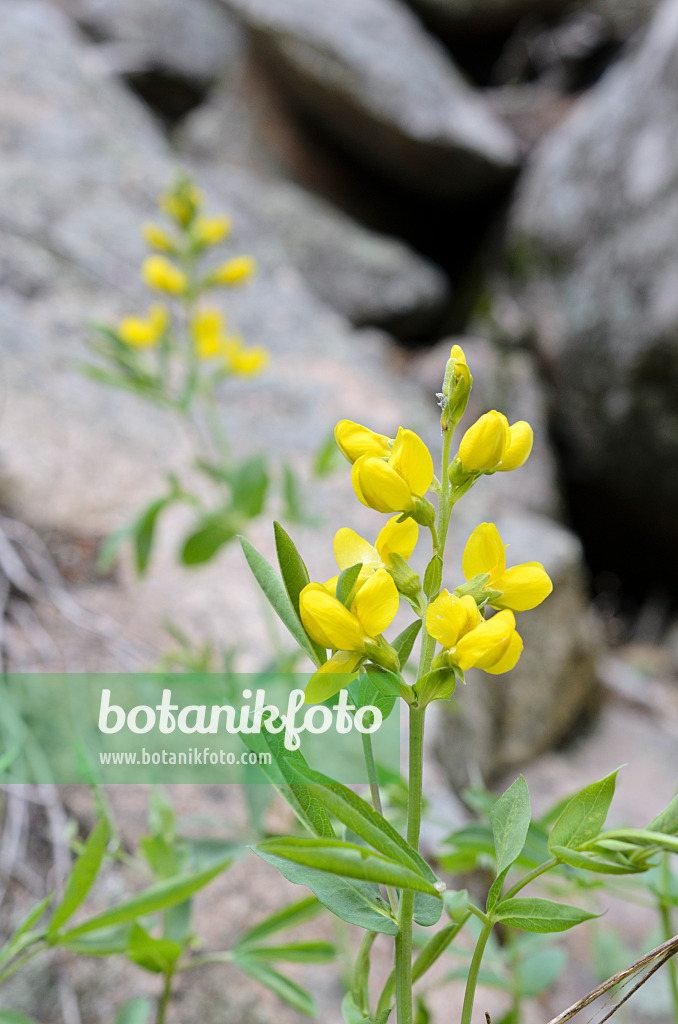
[
  {"x": 373, "y": 780},
  {"x": 667, "y": 927},
  {"x": 164, "y": 998},
  {"x": 404, "y": 937},
  {"x": 362, "y": 972},
  {"x": 472, "y": 980},
  {"x": 535, "y": 873},
  {"x": 13, "y": 967}
]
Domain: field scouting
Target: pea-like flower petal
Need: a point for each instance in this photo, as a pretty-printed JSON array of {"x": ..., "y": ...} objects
[
  {"x": 328, "y": 622},
  {"x": 378, "y": 486},
  {"x": 397, "y": 538},
  {"x": 522, "y": 587},
  {"x": 375, "y": 604},
  {"x": 519, "y": 447},
  {"x": 509, "y": 658},
  {"x": 354, "y": 440},
  {"x": 484, "y": 552},
  {"x": 331, "y": 677},
  {"x": 482, "y": 446},
  {"x": 485, "y": 645},
  {"x": 350, "y": 548},
  {"x": 449, "y": 617},
  {"x": 412, "y": 461}
]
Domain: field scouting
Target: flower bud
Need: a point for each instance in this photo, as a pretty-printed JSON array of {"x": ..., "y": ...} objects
[
  {"x": 483, "y": 445},
  {"x": 157, "y": 272},
  {"x": 381, "y": 653},
  {"x": 157, "y": 238},
  {"x": 211, "y": 230},
  {"x": 233, "y": 272},
  {"x": 456, "y": 387}
]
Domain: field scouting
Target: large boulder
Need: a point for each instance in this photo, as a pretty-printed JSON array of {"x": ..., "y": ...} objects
[
  {"x": 593, "y": 245},
  {"x": 193, "y": 38},
  {"x": 370, "y": 75}
]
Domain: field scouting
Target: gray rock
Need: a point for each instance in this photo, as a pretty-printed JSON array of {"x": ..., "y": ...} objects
[
  {"x": 497, "y": 723},
  {"x": 194, "y": 38},
  {"x": 385, "y": 90},
  {"x": 593, "y": 243}
]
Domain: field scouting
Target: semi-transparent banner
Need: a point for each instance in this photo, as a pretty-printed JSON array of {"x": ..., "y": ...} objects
[{"x": 190, "y": 728}]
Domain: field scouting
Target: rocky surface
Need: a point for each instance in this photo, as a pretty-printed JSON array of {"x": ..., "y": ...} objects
[
  {"x": 484, "y": 15},
  {"x": 192, "y": 38},
  {"x": 598, "y": 268},
  {"x": 384, "y": 89}
]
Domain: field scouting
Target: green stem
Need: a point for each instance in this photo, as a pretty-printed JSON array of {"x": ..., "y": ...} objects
[
  {"x": 373, "y": 780},
  {"x": 9, "y": 971},
  {"x": 362, "y": 972},
  {"x": 472, "y": 980},
  {"x": 165, "y": 998},
  {"x": 667, "y": 928},
  {"x": 404, "y": 937},
  {"x": 535, "y": 873}
]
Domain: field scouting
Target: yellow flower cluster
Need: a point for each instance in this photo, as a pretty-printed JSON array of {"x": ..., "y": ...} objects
[
  {"x": 140, "y": 332},
  {"x": 393, "y": 475},
  {"x": 211, "y": 341}
]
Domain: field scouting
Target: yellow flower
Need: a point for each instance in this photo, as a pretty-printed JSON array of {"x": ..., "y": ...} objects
[
  {"x": 396, "y": 484},
  {"x": 235, "y": 271},
  {"x": 156, "y": 236},
  {"x": 482, "y": 446},
  {"x": 471, "y": 641},
  {"x": 519, "y": 447},
  {"x": 351, "y": 549},
  {"x": 355, "y": 634},
  {"x": 139, "y": 333},
  {"x": 522, "y": 587},
  {"x": 243, "y": 361},
  {"x": 355, "y": 440},
  {"x": 211, "y": 230},
  {"x": 207, "y": 329},
  {"x": 157, "y": 272},
  {"x": 182, "y": 202}
]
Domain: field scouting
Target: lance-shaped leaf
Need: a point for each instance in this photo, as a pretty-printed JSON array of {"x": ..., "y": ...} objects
[
  {"x": 584, "y": 815},
  {"x": 286, "y": 989},
  {"x": 667, "y": 820},
  {"x": 274, "y": 589},
  {"x": 577, "y": 859},
  {"x": 158, "y": 897},
  {"x": 510, "y": 821},
  {"x": 532, "y": 914},
  {"x": 346, "y": 583},
  {"x": 291, "y": 952},
  {"x": 295, "y": 577},
  {"x": 82, "y": 876},
  {"x": 289, "y": 917},
  {"x": 348, "y": 860},
  {"x": 404, "y": 642},
  {"x": 358, "y": 903}
]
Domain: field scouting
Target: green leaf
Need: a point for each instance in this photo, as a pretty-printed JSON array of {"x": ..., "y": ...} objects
[
  {"x": 346, "y": 583},
  {"x": 144, "y": 531},
  {"x": 327, "y": 457},
  {"x": 358, "y": 903},
  {"x": 435, "y": 947},
  {"x": 156, "y": 955},
  {"x": 249, "y": 484},
  {"x": 161, "y": 856},
  {"x": 438, "y": 684},
  {"x": 584, "y": 815},
  {"x": 291, "y": 952},
  {"x": 103, "y": 942},
  {"x": 82, "y": 876},
  {"x": 533, "y": 914},
  {"x": 289, "y": 917},
  {"x": 291, "y": 993},
  {"x": 23, "y": 931},
  {"x": 351, "y": 1012},
  {"x": 576, "y": 859},
  {"x": 387, "y": 683},
  {"x": 293, "y": 509},
  {"x": 136, "y": 1011},
  {"x": 667, "y": 820},
  {"x": 276, "y": 594},
  {"x": 203, "y": 544},
  {"x": 404, "y": 642},
  {"x": 348, "y": 860},
  {"x": 295, "y": 577},
  {"x": 158, "y": 897},
  {"x": 510, "y": 820},
  {"x": 12, "y": 1017},
  {"x": 364, "y": 821}
]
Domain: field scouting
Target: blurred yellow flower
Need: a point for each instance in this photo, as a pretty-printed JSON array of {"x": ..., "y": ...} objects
[
  {"x": 235, "y": 271},
  {"x": 241, "y": 360},
  {"x": 159, "y": 273},
  {"x": 396, "y": 484},
  {"x": 522, "y": 587},
  {"x": 181, "y": 201},
  {"x": 157, "y": 238},
  {"x": 207, "y": 329},
  {"x": 138, "y": 332},
  {"x": 211, "y": 230}
]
